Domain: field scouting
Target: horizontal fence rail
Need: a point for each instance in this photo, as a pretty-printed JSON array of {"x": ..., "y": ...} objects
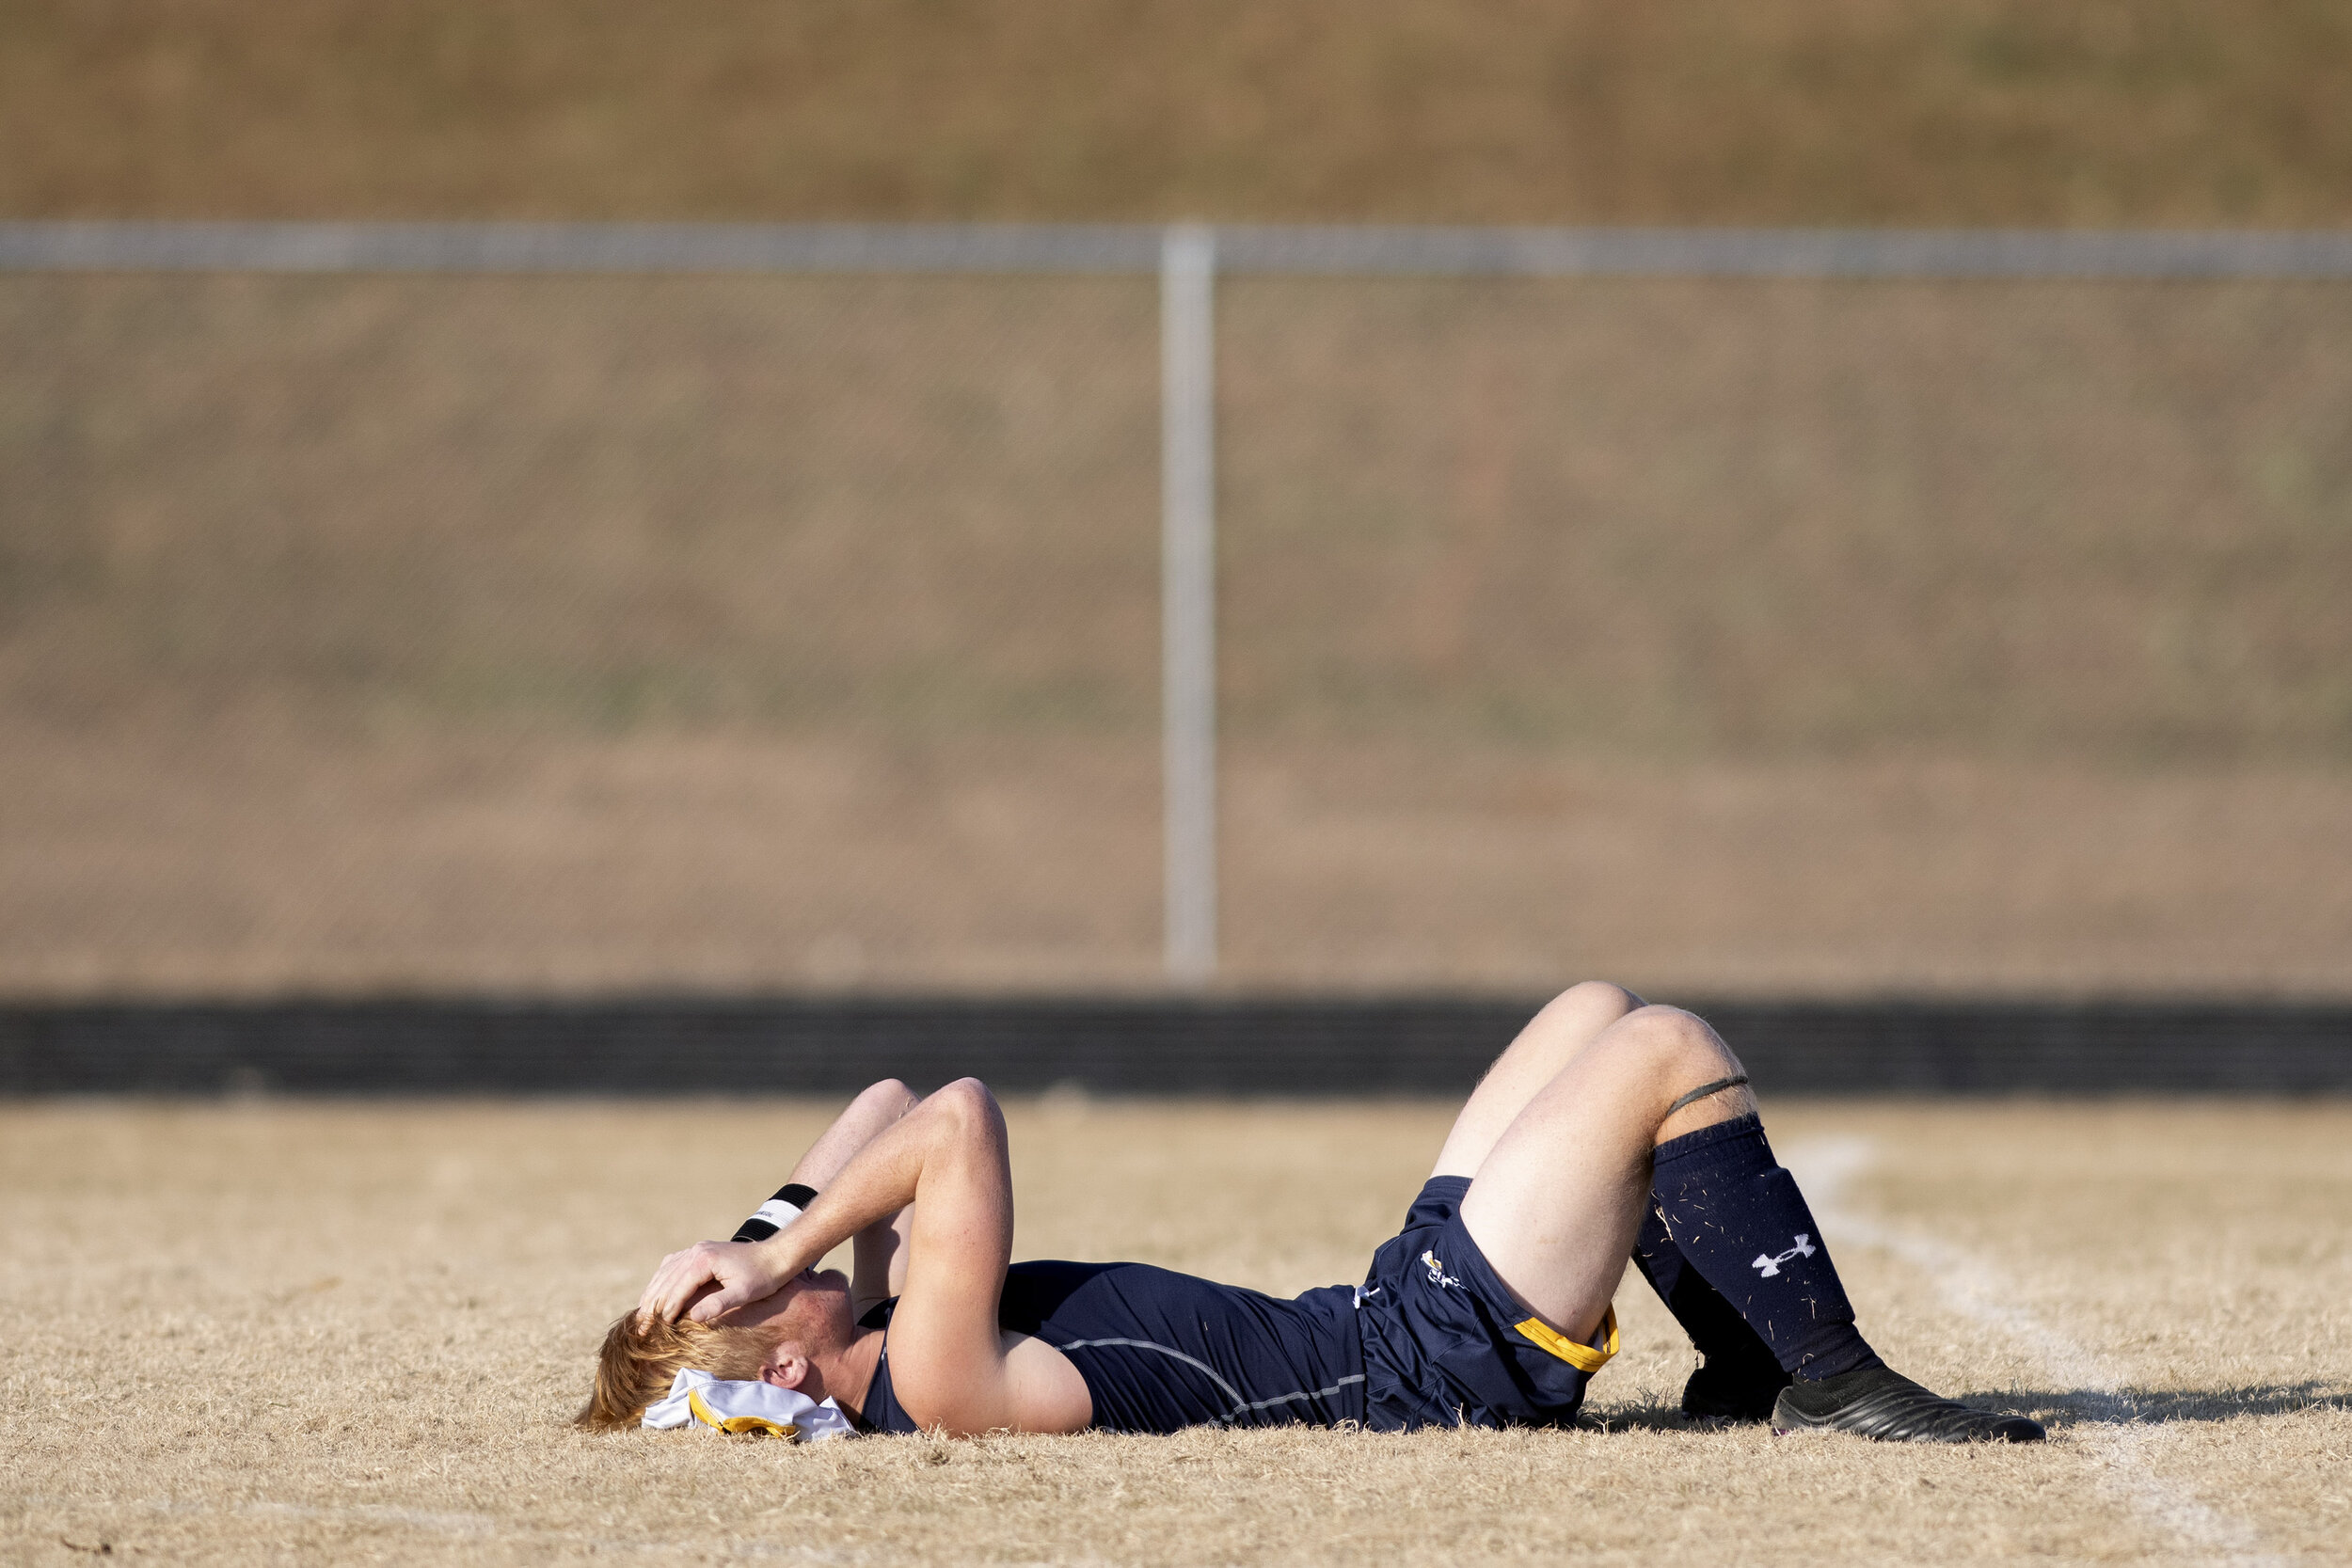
[
  {"x": 1183, "y": 1046},
  {"x": 1136, "y": 248}
]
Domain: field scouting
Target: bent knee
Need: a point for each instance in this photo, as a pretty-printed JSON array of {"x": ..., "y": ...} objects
[
  {"x": 966, "y": 1096},
  {"x": 1672, "y": 1039},
  {"x": 1611, "y": 1001}
]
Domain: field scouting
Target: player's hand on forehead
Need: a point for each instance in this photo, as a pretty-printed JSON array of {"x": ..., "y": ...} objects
[{"x": 709, "y": 1279}]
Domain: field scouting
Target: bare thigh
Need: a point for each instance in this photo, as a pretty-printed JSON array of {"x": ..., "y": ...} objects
[
  {"x": 1568, "y": 1024},
  {"x": 1556, "y": 1202}
]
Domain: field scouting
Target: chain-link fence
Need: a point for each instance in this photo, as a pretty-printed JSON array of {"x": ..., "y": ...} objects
[{"x": 369, "y": 629}]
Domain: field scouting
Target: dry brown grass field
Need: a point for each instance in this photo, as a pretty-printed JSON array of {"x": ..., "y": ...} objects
[
  {"x": 590, "y": 634},
  {"x": 1719, "y": 111},
  {"x": 303, "y": 1331}
]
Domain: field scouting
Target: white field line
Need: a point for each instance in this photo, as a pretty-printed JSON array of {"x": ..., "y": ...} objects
[{"x": 1977, "y": 1287}]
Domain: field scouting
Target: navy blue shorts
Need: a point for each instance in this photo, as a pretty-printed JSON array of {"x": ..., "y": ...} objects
[{"x": 1444, "y": 1343}]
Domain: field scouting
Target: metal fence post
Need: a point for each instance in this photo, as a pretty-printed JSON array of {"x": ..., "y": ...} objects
[{"x": 1188, "y": 596}]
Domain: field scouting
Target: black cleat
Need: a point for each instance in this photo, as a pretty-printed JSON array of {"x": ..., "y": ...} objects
[
  {"x": 1881, "y": 1403},
  {"x": 1721, "y": 1393}
]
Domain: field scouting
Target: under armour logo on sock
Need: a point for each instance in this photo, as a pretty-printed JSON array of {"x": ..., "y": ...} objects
[{"x": 1770, "y": 1265}]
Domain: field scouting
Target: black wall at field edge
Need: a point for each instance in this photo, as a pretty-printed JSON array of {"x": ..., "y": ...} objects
[{"x": 1128, "y": 1046}]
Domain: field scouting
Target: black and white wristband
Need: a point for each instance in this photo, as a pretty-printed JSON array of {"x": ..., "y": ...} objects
[{"x": 777, "y": 1212}]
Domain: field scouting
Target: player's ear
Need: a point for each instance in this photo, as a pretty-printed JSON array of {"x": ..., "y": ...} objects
[{"x": 785, "y": 1367}]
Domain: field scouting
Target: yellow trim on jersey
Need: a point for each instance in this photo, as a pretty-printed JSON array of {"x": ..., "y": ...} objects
[
  {"x": 736, "y": 1425},
  {"x": 1584, "y": 1358}
]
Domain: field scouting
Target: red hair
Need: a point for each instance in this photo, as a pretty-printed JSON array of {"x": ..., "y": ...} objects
[{"x": 642, "y": 1356}]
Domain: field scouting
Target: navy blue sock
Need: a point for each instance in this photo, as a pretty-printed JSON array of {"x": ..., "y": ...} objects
[
  {"x": 1739, "y": 1220},
  {"x": 1716, "y": 1329}
]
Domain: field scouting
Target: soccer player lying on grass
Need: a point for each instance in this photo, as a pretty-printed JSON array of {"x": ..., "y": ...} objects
[{"x": 1609, "y": 1127}]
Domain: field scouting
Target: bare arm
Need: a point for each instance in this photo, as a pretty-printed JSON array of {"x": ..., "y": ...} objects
[
  {"x": 878, "y": 1251},
  {"x": 951, "y": 1365},
  {"x": 883, "y": 1178},
  {"x": 875, "y": 1108}
]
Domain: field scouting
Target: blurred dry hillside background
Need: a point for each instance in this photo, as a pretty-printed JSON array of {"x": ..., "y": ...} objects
[
  {"x": 584, "y": 634},
  {"x": 1714, "y": 111}
]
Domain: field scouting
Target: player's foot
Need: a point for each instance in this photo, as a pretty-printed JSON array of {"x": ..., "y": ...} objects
[
  {"x": 1721, "y": 1393},
  {"x": 1879, "y": 1403}
]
